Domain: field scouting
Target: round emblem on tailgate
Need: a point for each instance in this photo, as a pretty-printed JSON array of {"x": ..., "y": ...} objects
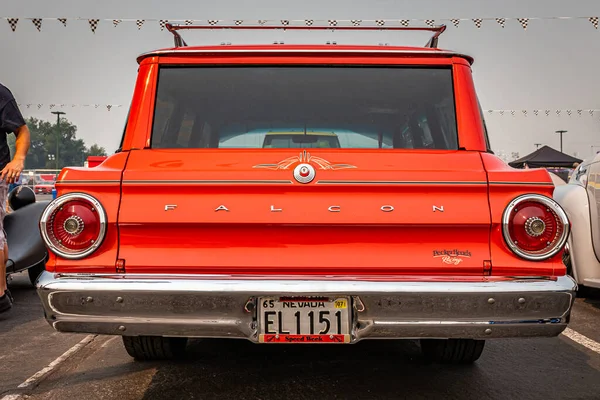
[{"x": 304, "y": 173}]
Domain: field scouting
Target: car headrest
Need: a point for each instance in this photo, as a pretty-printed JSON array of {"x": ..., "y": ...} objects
[{"x": 20, "y": 197}]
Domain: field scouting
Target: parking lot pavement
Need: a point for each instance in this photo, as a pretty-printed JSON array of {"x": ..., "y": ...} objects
[
  {"x": 549, "y": 368},
  {"x": 27, "y": 342}
]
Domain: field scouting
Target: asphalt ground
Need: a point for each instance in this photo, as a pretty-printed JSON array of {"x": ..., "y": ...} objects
[{"x": 99, "y": 367}]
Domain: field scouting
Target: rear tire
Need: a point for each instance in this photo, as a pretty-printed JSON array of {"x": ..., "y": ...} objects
[
  {"x": 452, "y": 351},
  {"x": 35, "y": 271},
  {"x": 149, "y": 348}
]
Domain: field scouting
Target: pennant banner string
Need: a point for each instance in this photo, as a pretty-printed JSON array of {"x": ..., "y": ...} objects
[
  {"x": 524, "y": 22},
  {"x": 571, "y": 112}
]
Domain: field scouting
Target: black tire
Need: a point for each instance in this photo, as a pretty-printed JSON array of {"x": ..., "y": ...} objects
[
  {"x": 35, "y": 271},
  {"x": 452, "y": 351},
  {"x": 149, "y": 348}
]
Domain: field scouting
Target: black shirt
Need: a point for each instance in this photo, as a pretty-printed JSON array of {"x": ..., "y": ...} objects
[{"x": 10, "y": 120}]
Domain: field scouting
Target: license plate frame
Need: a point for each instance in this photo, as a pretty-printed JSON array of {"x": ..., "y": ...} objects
[{"x": 280, "y": 317}]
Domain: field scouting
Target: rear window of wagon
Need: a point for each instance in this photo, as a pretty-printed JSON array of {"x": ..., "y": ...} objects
[{"x": 305, "y": 107}]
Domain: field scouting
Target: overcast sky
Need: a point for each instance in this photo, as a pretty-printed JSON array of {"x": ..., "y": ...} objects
[{"x": 553, "y": 65}]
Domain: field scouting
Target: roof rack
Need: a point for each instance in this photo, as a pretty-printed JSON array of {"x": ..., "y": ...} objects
[{"x": 432, "y": 43}]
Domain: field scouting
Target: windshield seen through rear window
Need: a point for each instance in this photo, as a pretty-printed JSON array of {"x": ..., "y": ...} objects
[{"x": 305, "y": 107}]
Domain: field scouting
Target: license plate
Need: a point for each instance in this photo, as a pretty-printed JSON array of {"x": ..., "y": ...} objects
[{"x": 304, "y": 320}]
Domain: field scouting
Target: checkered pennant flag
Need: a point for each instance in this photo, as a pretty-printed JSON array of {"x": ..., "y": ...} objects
[
  {"x": 96, "y": 105},
  {"x": 13, "y": 23},
  {"x": 594, "y": 21},
  {"x": 213, "y": 21},
  {"x": 512, "y": 112},
  {"x": 140, "y": 23},
  {"x": 536, "y": 112},
  {"x": 52, "y": 106},
  {"x": 490, "y": 112},
  {"x": 62, "y": 105},
  {"x": 558, "y": 112},
  {"x": 73, "y": 105},
  {"x": 285, "y": 22},
  {"x": 501, "y": 21},
  {"x": 356, "y": 22},
  {"x": 501, "y": 112},
  {"x": 262, "y": 21},
  {"x": 163, "y": 24},
  {"x": 547, "y": 113},
  {"x": 430, "y": 22},
  {"x": 93, "y": 24},
  {"x": 116, "y": 22},
  {"x": 39, "y": 106},
  {"x": 108, "y": 107},
  {"x": 63, "y": 21},
  {"x": 379, "y": 22},
  {"x": 309, "y": 22},
  {"x": 332, "y": 22},
  {"x": 478, "y": 22},
  {"x": 29, "y": 105},
  {"x": 524, "y": 112},
  {"x": 524, "y": 22},
  {"x": 455, "y": 21},
  {"x": 38, "y": 23},
  {"x": 405, "y": 22},
  {"x": 189, "y": 21},
  {"x": 592, "y": 113},
  {"x": 569, "y": 112},
  {"x": 579, "y": 112},
  {"x": 238, "y": 22}
]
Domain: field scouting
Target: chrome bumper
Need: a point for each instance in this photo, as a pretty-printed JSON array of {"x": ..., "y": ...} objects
[{"x": 224, "y": 306}]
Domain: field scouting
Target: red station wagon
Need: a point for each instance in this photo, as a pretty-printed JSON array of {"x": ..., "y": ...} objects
[{"x": 409, "y": 227}]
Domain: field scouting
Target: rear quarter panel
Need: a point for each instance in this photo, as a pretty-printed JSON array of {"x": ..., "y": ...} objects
[
  {"x": 104, "y": 183},
  {"x": 505, "y": 184}
]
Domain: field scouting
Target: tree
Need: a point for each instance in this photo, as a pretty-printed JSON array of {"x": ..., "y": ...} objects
[
  {"x": 44, "y": 136},
  {"x": 96, "y": 150}
]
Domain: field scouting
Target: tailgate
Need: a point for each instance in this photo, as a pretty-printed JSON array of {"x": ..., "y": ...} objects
[{"x": 365, "y": 212}]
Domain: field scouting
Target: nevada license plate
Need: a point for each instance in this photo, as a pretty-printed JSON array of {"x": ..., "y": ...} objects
[{"x": 304, "y": 320}]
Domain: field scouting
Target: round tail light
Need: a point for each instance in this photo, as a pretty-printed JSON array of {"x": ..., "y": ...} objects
[
  {"x": 535, "y": 227},
  {"x": 73, "y": 226}
]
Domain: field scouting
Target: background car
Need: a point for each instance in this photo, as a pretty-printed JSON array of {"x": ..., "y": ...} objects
[{"x": 580, "y": 199}]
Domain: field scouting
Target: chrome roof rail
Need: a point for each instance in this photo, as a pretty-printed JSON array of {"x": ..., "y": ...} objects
[{"x": 432, "y": 43}]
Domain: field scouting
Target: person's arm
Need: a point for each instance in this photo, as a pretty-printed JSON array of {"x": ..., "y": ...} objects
[
  {"x": 13, "y": 169},
  {"x": 11, "y": 120}
]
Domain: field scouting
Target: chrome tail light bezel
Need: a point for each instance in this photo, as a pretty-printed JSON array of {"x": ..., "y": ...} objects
[
  {"x": 54, "y": 206},
  {"x": 558, "y": 212}
]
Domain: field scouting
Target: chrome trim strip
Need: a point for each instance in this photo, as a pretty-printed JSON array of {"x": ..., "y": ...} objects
[
  {"x": 349, "y": 182},
  {"x": 87, "y": 182},
  {"x": 207, "y": 182},
  {"x": 217, "y": 305},
  {"x": 523, "y": 183}
]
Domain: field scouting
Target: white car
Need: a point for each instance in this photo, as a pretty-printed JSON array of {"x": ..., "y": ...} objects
[{"x": 580, "y": 198}]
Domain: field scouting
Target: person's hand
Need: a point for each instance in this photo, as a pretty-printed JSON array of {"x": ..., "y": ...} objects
[{"x": 12, "y": 171}]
